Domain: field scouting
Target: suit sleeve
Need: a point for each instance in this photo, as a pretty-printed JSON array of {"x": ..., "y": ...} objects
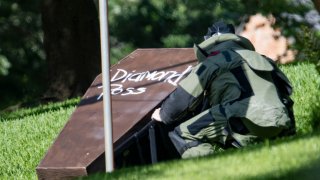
[
  {"x": 176, "y": 105},
  {"x": 187, "y": 96}
]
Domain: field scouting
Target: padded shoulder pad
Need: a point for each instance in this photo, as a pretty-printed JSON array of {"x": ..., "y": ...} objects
[{"x": 255, "y": 60}]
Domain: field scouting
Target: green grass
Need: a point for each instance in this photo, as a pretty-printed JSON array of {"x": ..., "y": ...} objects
[
  {"x": 289, "y": 158},
  {"x": 27, "y": 134},
  {"x": 306, "y": 82}
]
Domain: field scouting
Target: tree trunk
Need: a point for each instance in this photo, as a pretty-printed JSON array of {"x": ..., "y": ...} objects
[
  {"x": 71, "y": 42},
  {"x": 317, "y": 4}
]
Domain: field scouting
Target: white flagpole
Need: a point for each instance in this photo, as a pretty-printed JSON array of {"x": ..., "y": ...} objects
[{"x": 107, "y": 116}]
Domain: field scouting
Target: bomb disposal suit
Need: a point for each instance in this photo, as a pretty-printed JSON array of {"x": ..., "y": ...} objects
[{"x": 243, "y": 97}]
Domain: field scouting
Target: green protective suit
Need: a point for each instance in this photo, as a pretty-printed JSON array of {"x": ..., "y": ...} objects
[{"x": 234, "y": 95}]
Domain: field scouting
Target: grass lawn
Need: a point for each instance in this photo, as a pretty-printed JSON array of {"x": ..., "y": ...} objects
[
  {"x": 289, "y": 158},
  {"x": 27, "y": 134}
]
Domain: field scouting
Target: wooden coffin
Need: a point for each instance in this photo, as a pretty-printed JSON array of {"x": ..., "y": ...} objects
[{"x": 139, "y": 83}]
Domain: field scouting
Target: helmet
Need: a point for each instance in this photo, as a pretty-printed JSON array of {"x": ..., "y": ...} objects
[{"x": 219, "y": 28}]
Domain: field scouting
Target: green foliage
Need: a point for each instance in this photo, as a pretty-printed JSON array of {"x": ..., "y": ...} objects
[
  {"x": 154, "y": 23},
  {"x": 308, "y": 42},
  {"x": 4, "y": 65},
  {"x": 21, "y": 52},
  {"x": 176, "y": 41},
  {"x": 145, "y": 23},
  {"x": 119, "y": 50}
]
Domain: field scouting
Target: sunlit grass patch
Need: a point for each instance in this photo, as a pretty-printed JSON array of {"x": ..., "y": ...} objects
[
  {"x": 306, "y": 95},
  {"x": 26, "y": 135}
]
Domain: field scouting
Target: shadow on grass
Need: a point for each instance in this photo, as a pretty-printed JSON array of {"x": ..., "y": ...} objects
[
  {"x": 8, "y": 116},
  {"x": 311, "y": 171},
  {"x": 315, "y": 115}
]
